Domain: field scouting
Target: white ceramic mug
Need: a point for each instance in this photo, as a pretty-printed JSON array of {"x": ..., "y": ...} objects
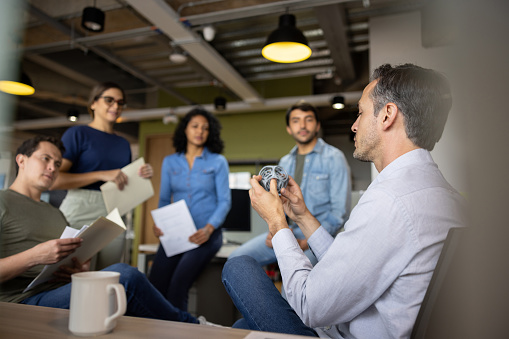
[{"x": 97, "y": 300}]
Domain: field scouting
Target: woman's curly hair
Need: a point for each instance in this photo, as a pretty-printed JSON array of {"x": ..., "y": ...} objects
[{"x": 213, "y": 143}]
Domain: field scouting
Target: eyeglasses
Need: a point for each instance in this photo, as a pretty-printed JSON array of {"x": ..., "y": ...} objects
[{"x": 110, "y": 101}]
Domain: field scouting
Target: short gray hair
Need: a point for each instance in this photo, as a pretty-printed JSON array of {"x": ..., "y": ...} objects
[{"x": 422, "y": 95}]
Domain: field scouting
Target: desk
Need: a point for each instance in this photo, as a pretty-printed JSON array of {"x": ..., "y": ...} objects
[
  {"x": 27, "y": 322},
  {"x": 146, "y": 253},
  {"x": 37, "y": 322}
]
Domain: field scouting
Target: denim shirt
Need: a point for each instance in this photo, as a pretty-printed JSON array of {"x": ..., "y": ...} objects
[
  {"x": 205, "y": 187},
  {"x": 325, "y": 185}
]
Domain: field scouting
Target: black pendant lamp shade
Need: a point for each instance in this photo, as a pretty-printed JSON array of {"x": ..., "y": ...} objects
[
  {"x": 338, "y": 102},
  {"x": 286, "y": 44},
  {"x": 92, "y": 19},
  {"x": 220, "y": 103}
]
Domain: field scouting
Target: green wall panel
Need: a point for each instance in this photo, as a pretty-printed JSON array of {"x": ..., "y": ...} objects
[
  {"x": 248, "y": 136},
  {"x": 266, "y": 88}
]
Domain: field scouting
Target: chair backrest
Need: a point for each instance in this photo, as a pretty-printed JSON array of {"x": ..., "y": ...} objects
[{"x": 439, "y": 275}]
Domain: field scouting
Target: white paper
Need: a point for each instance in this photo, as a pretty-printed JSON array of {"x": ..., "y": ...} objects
[
  {"x": 100, "y": 233},
  {"x": 69, "y": 232},
  {"x": 177, "y": 225},
  {"x": 136, "y": 191}
]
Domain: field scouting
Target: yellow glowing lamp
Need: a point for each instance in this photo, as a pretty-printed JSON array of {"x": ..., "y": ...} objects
[
  {"x": 286, "y": 44},
  {"x": 23, "y": 87},
  {"x": 286, "y": 52},
  {"x": 16, "y": 88}
]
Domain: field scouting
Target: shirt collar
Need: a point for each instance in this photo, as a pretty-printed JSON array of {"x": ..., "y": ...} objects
[
  {"x": 203, "y": 155},
  {"x": 419, "y": 156}
]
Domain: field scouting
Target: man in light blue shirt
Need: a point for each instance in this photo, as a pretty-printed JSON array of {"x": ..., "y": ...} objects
[
  {"x": 370, "y": 280},
  {"x": 323, "y": 174}
]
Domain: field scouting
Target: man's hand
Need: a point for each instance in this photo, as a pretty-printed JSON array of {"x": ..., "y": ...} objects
[
  {"x": 268, "y": 204},
  {"x": 293, "y": 201},
  {"x": 46, "y": 253},
  {"x": 53, "y": 251},
  {"x": 65, "y": 272},
  {"x": 295, "y": 209}
]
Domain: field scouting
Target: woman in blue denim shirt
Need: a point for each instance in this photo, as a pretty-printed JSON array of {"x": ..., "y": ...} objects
[{"x": 198, "y": 174}]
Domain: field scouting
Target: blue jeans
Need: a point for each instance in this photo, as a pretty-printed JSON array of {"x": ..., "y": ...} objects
[
  {"x": 258, "y": 300},
  {"x": 263, "y": 254},
  {"x": 174, "y": 276},
  {"x": 143, "y": 300}
]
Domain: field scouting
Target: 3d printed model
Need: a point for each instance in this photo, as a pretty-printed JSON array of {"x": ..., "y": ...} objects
[{"x": 273, "y": 172}]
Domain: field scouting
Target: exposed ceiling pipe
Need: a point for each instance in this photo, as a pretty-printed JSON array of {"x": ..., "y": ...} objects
[
  {"x": 159, "y": 13},
  {"x": 194, "y": 3},
  {"x": 89, "y": 41},
  {"x": 258, "y": 10},
  {"x": 107, "y": 55}
]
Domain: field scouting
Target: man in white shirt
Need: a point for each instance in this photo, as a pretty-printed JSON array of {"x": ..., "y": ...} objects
[{"x": 370, "y": 280}]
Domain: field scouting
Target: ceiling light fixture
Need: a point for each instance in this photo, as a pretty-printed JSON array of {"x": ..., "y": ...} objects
[
  {"x": 209, "y": 33},
  {"x": 338, "y": 102},
  {"x": 92, "y": 19},
  {"x": 22, "y": 87},
  {"x": 73, "y": 114},
  {"x": 220, "y": 103},
  {"x": 170, "y": 118},
  {"x": 178, "y": 57},
  {"x": 286, "y": 44}
]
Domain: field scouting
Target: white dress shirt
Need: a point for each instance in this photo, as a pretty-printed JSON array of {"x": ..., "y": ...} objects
[{"x": 371, "y": 279}]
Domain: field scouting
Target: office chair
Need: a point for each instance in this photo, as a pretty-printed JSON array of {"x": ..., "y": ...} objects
[{"x": 439, "y": 275}]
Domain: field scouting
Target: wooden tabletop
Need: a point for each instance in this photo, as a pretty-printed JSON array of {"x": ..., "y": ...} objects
[{"x": 27, "y": 322}]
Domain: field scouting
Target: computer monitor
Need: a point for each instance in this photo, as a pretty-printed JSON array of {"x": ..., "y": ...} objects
[
  {"x": 239, "y": 217},
  {"x": 242, "y": 222}
]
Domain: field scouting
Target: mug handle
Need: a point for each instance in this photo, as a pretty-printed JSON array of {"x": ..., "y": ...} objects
[{"x": 121, "y": 303}]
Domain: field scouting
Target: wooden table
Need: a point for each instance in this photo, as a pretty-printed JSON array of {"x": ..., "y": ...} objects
[{"x": 19, "y": 321}]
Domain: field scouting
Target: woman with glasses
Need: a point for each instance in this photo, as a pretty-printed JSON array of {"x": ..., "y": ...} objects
[
  {"x": 93, "y": 155},
  {"x": 198, "y": 174}
]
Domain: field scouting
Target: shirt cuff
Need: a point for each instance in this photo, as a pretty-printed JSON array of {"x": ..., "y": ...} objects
[{"x": 284, "y": 240}]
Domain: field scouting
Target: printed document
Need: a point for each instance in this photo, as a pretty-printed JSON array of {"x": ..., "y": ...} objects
[
  {"x": 95, "y": 237},
  {"x": 136, "y": 191},
  {"x": 177, "y": 225}
]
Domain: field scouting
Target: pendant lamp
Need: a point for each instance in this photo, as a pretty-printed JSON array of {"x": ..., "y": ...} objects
[
  {"x": 73, "y": 115},
  {"x": 220, "y": 103},
  {"x": 338, "y": 102},
  {"x": 22, "y": 87},
  {"x": 92, "y": 19},
  {"x": 286, "y": 44}
]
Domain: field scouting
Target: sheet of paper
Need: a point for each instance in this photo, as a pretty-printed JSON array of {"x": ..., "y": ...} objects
[
  {"x": 99, "y": 234},
  {"x": 177, "y": 225},
  {"x": 136, "y": 191},
  {"x": 69, "y": 232}
]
